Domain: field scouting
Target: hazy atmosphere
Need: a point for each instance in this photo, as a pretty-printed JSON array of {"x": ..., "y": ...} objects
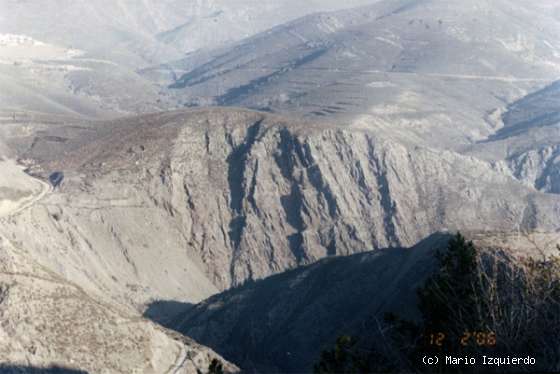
[{"x": 240, "y": 186}]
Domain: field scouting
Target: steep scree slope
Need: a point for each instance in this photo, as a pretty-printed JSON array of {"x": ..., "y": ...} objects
[{"x": 47, "y": 321}]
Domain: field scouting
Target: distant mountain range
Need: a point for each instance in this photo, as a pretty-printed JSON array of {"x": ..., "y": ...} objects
[
  {"x": 419, "y": 71},
  {"x": 113, "y": 40},
  {"x": 251, "y": 173}
]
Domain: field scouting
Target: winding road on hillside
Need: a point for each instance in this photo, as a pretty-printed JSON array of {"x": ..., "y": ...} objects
[{"x": 15, "y": 182}]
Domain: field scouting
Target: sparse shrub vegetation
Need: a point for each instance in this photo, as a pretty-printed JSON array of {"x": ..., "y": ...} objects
[
  {"x": 215, "y": 367},
  {"x": 476, "y": 303},
  {"x": 342, "y": 359}
]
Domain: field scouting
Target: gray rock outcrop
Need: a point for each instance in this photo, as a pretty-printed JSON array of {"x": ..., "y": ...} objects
[{"x": 181, "y": 205}]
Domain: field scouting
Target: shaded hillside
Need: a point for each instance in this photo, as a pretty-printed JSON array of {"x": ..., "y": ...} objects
[
  {"x": 539, "y": 109},
  {"x": 282, "y": 323},
  {"x": 8, "y": 369}
]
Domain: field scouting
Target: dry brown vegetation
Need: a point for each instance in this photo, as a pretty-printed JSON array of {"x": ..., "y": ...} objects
[{"x": 478, "y": 302}]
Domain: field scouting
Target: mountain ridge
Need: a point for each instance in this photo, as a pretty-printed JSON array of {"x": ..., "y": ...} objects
[{"x": 241, "y": 195}]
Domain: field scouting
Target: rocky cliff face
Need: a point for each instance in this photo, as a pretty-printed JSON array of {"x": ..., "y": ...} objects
[
  {"x": 181, "y": 205},
  {"x": 539, "y": 168}
]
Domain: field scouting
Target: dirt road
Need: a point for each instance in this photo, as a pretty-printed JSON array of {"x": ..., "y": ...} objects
[{"x": 18, "y": 191}]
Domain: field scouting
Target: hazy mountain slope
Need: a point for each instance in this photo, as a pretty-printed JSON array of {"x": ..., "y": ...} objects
[
  {"x": 139, "y": 32},
  {"x": 282, "y": 323},
  {"x": 41, "y": 77},
  {"x": 176, "y": 206},
  {"x": 214, "y": 23},
  {"x": 96, "y": 90},
  {"x": 407, "y": 68},
  {"x": 86, "y": 62},
  {"x": 122, "y": 31}
]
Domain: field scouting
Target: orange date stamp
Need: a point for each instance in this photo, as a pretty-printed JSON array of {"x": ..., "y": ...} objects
[{"x": 468, "y": 339}]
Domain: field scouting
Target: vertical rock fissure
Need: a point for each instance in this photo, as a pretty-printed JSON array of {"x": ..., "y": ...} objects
[
  {"x": 237, "y": 165},
  {"x": 253, "y": 188},
  {"x": 292, "y": 204},
  {"x": 387, "y": 204},
  {"x": 316, "y": 179}
]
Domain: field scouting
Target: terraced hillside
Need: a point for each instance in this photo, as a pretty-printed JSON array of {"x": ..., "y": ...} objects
[{"x": 422, "y": 72}]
